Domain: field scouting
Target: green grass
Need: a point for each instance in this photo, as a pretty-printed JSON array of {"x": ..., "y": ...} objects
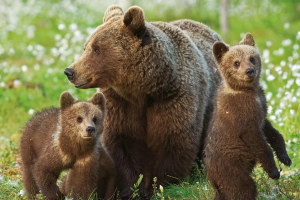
[{"x": 31, "y": 73}]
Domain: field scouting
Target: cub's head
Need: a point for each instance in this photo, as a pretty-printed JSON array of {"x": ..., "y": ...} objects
[
  {"x": 240, "y": 65},
  {"x": 109, "y": 49},
  {"x": 82, "y": 117}
]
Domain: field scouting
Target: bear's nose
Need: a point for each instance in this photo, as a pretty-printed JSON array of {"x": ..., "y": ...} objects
[
  {"x": 250, "y": 72},
  {"x": 69, "y": 72},
  {"x": 90, "y": 130}
]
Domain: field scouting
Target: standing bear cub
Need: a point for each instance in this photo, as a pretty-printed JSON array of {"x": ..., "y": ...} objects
[
  {"x": 63, "y": 138},
  {"x": 236, "y": 138}
]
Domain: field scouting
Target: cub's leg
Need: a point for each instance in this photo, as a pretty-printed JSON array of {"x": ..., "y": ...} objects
[
  {"x": 275, "y": 139},
  {"x": 107, "y": 179},
  {"x": 29, "y": 182},
  {"x": 81, "y": 180},
  {"x": 46, "y": 172},
  {"x": 256, "y": 142}
]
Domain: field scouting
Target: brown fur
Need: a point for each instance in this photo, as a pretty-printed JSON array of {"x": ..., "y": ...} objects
[
  {"x": 236, "y": 138},
  {"x": 158, "y": 79},
  {"x": 54, "y": 140},
  {"x": 72, "y": 183}
]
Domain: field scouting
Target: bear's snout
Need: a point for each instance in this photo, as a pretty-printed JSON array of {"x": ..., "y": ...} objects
[
  {"x": 90, "y": 130},
  {"x": 250, "y": 72},
  {"x": 70, "y": 73}
]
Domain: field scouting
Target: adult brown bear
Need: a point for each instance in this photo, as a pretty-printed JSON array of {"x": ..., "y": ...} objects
[{"x": 158, "y": 79}]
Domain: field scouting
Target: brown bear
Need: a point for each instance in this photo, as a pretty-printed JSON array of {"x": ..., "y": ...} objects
[
  {"x": 158, "y": 86},
  {"x": 67, "y": 137},
  {"x": 72, "y": 182},
  {"x": 159, "y": 79},
  {"x": 236, "y": 140}
]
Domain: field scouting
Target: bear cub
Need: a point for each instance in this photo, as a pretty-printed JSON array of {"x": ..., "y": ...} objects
[
  {"x": 67, "y": 138},
  {"x": 236, "y": 136}
]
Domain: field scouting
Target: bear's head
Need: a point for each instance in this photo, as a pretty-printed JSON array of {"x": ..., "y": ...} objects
[
  {"x": 240, "y": 65},
  {"x": 84, "y": 118},
  {"x": 109, "y": 50}
]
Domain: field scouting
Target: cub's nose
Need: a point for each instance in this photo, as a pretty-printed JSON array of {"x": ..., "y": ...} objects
[
  {"x": 70, "y": 73},
  {"x": 250, "y": 72},
  {"x": 90, "y": 130}
]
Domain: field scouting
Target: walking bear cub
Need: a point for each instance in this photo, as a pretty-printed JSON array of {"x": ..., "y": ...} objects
[
  {"x": 67, "y": 138},
  {"x": 236, "y": 139}
]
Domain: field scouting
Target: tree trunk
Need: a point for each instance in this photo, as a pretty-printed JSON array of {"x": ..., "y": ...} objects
[{"x": 224, "y": 18}]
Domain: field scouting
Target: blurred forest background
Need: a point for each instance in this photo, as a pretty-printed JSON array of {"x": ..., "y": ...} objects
[{"x": 39, "y": 39}]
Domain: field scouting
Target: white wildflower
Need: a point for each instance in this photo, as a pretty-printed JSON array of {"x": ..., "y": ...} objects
[
  {"x": 24, "y": 68},
  {"x": 282, "y": 63},
  {"x": 269, "y": 43},
  {"x": 270, "y": 77},
  {"x": 286, "y": 25},
  {"x": 31, "y": 111},
  {"x": 2, "y": 84},
  {"x": 73, "y": 27},
  {"x": 17, "y": 83},
  {"x": 21, "y": 193},
  {"x": 286, "y": 42},
  {"x": 61, "y": 26}
]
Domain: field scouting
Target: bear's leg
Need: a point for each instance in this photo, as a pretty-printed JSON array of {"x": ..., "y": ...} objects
[
  {"x": 82, "y": 178},
  {"x": 129, "y": 156},
  {"x": 232, "y": 182},
  {"x": 29, "y": 182},
  {"x": 46, "y": 173},
  {"x": 275, "y": 139},
  {"x": 241, "y": 187},
  {"x": 173, "y": 135},
  {"x": 256, "y": 141}
]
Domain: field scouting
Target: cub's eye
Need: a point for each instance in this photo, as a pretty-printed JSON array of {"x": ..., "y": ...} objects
[
  {"x": 236, "y": 63},
  {"x": 252, "y": 60},
  {"x": 79, "y": 119},
  {"x": 95, "y": 120},
  {"x": 96, "y": 51}
]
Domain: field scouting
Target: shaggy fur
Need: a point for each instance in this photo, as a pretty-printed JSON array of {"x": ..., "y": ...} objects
[
  {"x": 159, "y": 80},
  {"x": 57, "y": 139},
  {"x": 236, "y": 139},
  {"x": 158, "y": 87}
]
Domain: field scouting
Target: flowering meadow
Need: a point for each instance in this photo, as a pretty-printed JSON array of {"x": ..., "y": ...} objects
[{"x": 39, "y": 39}]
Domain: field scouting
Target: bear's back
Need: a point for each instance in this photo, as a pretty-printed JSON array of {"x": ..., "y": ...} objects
[{"x": 37, "y": 135}]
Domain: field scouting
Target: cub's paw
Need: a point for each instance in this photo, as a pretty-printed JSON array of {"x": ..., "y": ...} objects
[
  {"x": 285, "y": 159},
  {"x": 274, "y": 174}
]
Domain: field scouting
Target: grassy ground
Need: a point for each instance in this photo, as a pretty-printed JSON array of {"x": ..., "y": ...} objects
[{"x": 39, "y": 39}]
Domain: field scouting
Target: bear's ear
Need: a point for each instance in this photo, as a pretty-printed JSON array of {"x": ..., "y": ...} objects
[
  {"x": 219, "y": 49},
  {"x": 66, "y": 100},
  {"x": 112, "y": 11},
  {"x": 134, "y": 19},
  {"x": 248, "y": 40},
  {"x": 99, "y": 100}
]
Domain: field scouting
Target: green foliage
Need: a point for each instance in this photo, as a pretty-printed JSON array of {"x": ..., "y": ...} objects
[
  {"x": 135, "y": 189},
  {"x": 39, "y": 39}
]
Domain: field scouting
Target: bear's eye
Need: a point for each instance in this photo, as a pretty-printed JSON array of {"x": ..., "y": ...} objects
[
  {"x": 252, "y": 60},
  {"x": 95, "y": 120},
  {"x": 236, "y": 63},
  {"x": 79, "y": 119},
  {"x": 96, "y": 51}
]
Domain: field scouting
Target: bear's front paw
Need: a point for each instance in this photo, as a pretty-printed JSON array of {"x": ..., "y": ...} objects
[
  {"x": 285, "y": 159},
  {"x": 274, "y": 174}
]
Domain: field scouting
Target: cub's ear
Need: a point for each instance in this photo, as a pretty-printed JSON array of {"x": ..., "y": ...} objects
[
  {"x": 248, "y": 40},
  {"x": 112, "y": 11},
  {"x": 134, "y": 19},
  {"x": 219, "y": 49},
  {"x": 99, "y": 100},
  {"x": 66, "y": 100}
]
